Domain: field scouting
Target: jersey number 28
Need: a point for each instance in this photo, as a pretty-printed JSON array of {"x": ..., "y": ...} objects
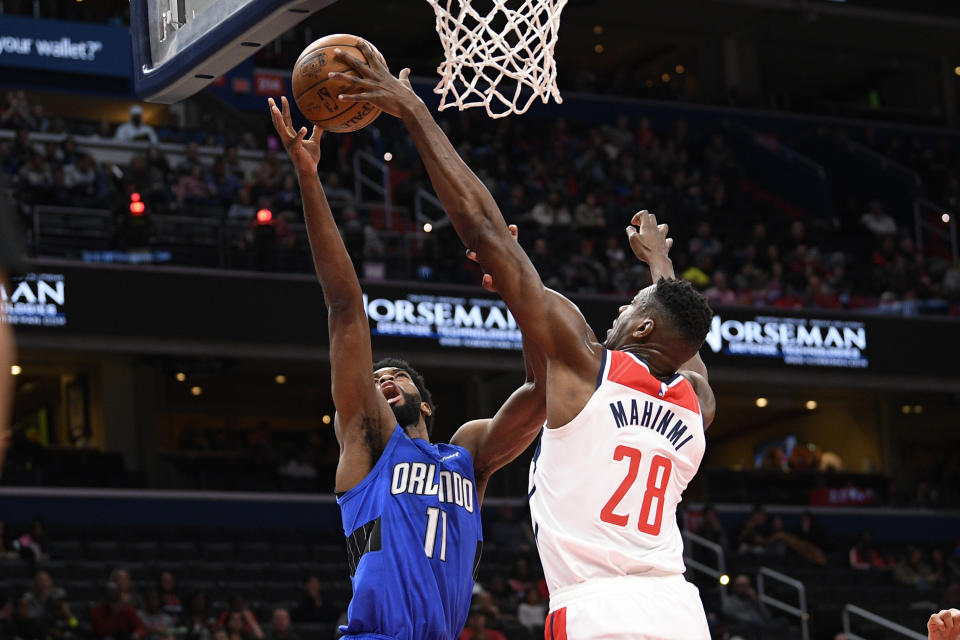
[{"x": 657, "y": 484}]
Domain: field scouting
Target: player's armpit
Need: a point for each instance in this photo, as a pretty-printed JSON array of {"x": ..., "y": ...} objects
[
  {"x": 495, "y": 442},
  {"x": 705, "y": 396}
]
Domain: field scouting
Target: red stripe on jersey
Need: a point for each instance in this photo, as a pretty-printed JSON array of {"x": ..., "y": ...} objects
[{"x": 628, "y": 371}]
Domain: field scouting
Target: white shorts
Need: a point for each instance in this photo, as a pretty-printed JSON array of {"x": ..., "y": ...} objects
[{"x": 628, "y": 607}]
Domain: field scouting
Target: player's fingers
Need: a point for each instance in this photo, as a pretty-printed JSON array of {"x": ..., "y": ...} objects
[
  {"x": 514, "y": 231},
  {"x": 631, "y": 231},
  {"x": 372, "y": 58},
  {"x": 472, "y": 255},
  {"x": 669, "y": 243},
  {"x": 948, "y": 620},
  {"x": 351, "y": 61},
  {"x": 316, "y": 134},
  {"x": 358, "y": 97},
  {"x": 353, "y": 81},
  {"x": 935, "y": 623},
  {"x": 286, "y": 111},
  {"x": 638, "y": 217},
  {"x": 405, "y": 76},
  {"x": 663, "y": 228},
  {"x": 487, "y": 283},
  {"x": 651, "y": 219}
]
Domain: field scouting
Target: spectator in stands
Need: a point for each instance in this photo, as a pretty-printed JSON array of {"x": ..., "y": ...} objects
[
  {"x": 877, "y": 221},
  {"x": 520, "y": 579},
  {"x": 744, "y": 607},
  {"x": 135, "y": 129},
  {"x": 112, "y": 619},
  {"x": 194, "y": 189},
  {"x": 719, "y": 293},
  {"x": 281, "y": 626},
  {"x": 21, "y": 626},
  {"x": 913, "y": 571},
  {"x": 507, "y": 532},
  {"x": 712, "y": 529},
  {"x": 84, "y": 181},
  {"x": 866, "y": 555},
  {"x": 156, "y": 621},
  {"x": 168, "y": 595},
  {"x": 199, "y": 623},
  {"x": 753, "y": 535},
  {"x": 191, "y": 159},
  {"x": 239, "y": 629},
  {"x": 532, "y": 612},
  {"x": 38, "y": 597},
  {"x": 34, "y": 545},
  {"x": 312, "y": 607},
  {"x": 781, "y": 542},
  {"x": 550, "y": 214},
  {"x": 809, "y": 530},
  {"x": 63, "y": 624},
  {"x": 121, "y": 578},
  {"x": 239, "y": 612},
  {"x": 476, "y": 628}
]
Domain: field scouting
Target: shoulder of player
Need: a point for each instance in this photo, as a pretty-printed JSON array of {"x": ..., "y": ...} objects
[{"x": 470, "y": 434}]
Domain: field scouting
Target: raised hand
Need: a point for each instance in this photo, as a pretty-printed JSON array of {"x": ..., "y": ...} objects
[
  {"x": 393, "y": 95},
  {"x": 650, "y": 243},
  {"x": 944, "y": 625},
  {"x": 304, "y": 152},
  {"x": 487, "y": 282}
]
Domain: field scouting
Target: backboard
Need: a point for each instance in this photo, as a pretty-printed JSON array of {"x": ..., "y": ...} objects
[{"x": 181, "y": 46}]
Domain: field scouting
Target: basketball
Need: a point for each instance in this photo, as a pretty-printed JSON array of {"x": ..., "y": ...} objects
[{"x": 316, "y": 94}]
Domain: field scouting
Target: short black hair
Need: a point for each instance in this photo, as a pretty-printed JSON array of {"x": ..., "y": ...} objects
[
  {"x": 687, "y": 309},
  {"x": 425, "y": 396}
]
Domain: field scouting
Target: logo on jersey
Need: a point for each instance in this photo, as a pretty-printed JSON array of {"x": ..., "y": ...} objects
[{"x": 423, "y": 479}]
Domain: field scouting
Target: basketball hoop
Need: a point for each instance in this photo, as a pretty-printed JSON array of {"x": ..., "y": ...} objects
[{"x": 506, "y": 46}]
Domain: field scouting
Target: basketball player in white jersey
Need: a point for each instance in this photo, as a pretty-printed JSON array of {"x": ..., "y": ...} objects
[{"x": 625, "y": 419}]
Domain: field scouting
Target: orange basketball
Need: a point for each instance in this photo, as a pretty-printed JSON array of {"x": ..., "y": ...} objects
[{"x": 316, "y": 94}]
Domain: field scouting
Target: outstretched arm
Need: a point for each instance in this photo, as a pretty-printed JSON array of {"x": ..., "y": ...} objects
[
  {"x": 497, "y": 441},
  {"x": 364, "y": 419},
  {"x": 651, "y": 245},
  {"x": 551, "y": 326}
]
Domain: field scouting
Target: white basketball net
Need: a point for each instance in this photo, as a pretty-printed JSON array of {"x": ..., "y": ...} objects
[{"x": 513, "y": 46}]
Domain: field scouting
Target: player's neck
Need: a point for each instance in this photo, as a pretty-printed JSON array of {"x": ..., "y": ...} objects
[
  {"x": 659, "y": 362},
  {"x": 417, "y": 430}
]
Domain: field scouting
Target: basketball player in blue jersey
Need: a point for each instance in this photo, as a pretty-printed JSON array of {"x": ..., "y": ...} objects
[{"x": 410, "y": 509}]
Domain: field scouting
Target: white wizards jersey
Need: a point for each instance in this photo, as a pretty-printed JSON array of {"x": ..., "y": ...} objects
[{"x": 604, "y": 488}]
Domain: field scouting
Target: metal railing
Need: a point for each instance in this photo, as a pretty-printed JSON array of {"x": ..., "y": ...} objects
[
  {"x": 423, "y": 199},
  {"x": 696, "y": 565},
  {"x": 851, "y": 609},
  {"x": 929, "y": 219},
  {"x": 380, "y": 184},
  {"x": 799, "y": 611}
]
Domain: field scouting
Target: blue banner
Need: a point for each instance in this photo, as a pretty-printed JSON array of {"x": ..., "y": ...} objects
[{"x": 66, "y": 47}]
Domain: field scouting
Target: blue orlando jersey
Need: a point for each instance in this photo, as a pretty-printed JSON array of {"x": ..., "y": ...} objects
[{"x": 413, "y": 542}]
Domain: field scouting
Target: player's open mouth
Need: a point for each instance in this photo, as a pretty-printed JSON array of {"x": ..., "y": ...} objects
[{"x": 391, "y": 392}]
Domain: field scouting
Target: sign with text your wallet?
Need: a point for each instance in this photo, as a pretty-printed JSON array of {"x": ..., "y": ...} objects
[{"x": 65, "y": 47}]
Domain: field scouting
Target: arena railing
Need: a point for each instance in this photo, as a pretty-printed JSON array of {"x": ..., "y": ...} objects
[
  {"x": 800, "y": 611},
  {"x": 928, "y": 219},
  {"x": 853, "y": 610},
  {"x": 718, "y": 572}
]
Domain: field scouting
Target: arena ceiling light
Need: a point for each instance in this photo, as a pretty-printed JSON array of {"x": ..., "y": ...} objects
[
  {"x": 811, "y": 404},
  {"x": 15, "y": 369},
  {"x": 762, "y": 402}
]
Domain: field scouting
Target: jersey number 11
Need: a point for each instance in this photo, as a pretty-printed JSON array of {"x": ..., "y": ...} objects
[{"x": 434, "y": 516}]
